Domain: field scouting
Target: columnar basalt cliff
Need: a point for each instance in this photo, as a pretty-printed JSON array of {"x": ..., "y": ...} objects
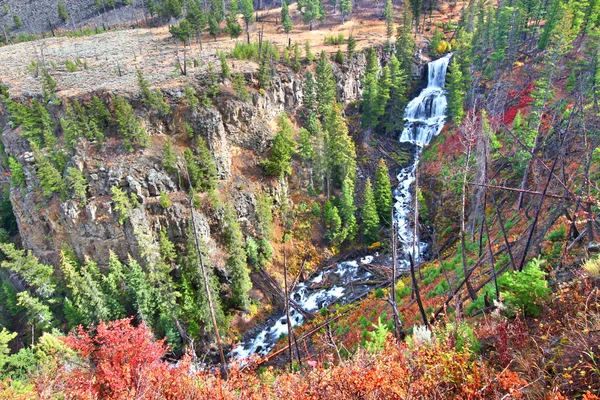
[{"x": 232, "y": 129}]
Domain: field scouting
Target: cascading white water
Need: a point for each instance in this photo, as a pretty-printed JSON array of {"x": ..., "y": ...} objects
[
  {"x": 424, "y": 117},
  {"x": 346, "y": 281}
]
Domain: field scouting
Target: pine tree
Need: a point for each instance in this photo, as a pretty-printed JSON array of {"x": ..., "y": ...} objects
[
  {"x": 393, "y": 118},
  {"x": 197, "y": 18},
  {"x": 345, "y": 8},
  {"x": 383, "y": 191},
  {"x": 225, "y": 70},
  {"x": 122, "y": 202},
  {"x": 152, "y": 98},
  {"x": 383, "y": 91},
  {"x": 347, "y": 209},
  {"x": 351, "y": 46},
  {"x": 247, "y": 10},
  {"x": 48, "y": 86},
  {"x": 279, "y": 162},
  {"x": 369, "y": 215},
  {"x": 325, "y": 85},
  {"x": 17, "y": 176},
  {"x": 456, "y": 93},
  {"x": 51, "y": 180},
  {"x": 553, "y": 16},
  {"x": 182, "y": 32},
  {"x": 196, "y": 304},
  {"x": 201, "y": 169},
  {"x": 129, "y": 125},
  {"x": 296, "y": 60},
  {"x": 339, "y": 57},
  {"x": 237, "y": 261},
  {"x": 167, "y": 248},
  {"x": 264, "y": 73},
  {"x": 305, "y": 146},
  {"x": 309, "y": 97},
  {"x": 340, "y": 148},
  {"x": 233, "y": 27},
  {"x": 239, "y": 85},
  {"x": 310, "y": 57},
  {"x": 62, "y": 12},
  {"x": 405, "y": 43},
  {"x": 78, "y": 184},
  {"x": 139, "y": 292},
  {"x": 169, "y": 157},
  {"x": 17, "y": 22},
  {"x": 311, "y": 10},
  {"x": 369, "y": 102},
  {"x": 286, "y": 20},
  {"x": 213, "y": 26},
  {"x": 21, "y": 263},
  {"x": 388, "y": 12},
  {"x": 333, "y": 223}
]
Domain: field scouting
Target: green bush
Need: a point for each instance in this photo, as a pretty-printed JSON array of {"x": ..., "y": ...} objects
[
  {"x": 335, "y": 40},
  {"x": 520, "y": 291},
  {"x": 165, "y": 202},
  {"x": 558, "y": 235}
]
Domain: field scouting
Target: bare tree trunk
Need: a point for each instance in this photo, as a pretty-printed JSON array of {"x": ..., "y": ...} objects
[
  {"x": 463, "y": 246},
  {"x": 398, "y": 334},
  {"x": 412, "y": 257},
  {"x": 205, "y": 280}
]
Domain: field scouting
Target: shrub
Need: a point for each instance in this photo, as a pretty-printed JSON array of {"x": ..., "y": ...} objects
[
  {"x": 122, "y": 203},
  {"x": 558, "y": 235},
  {"x": 165, "y": 202},
  {"x": 592, "y": 267},
  {"x": 335, "y": 40},
  {"x": 520, "y": 291}
]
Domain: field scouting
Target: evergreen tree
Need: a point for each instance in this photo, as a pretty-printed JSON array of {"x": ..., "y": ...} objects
[
  {"x": 340, "y": 148},
  {"x": 233, "y": 27},
  {"x": 122, "y": 202},
  {"x": 456, "y": 93},
  {"x": 139, "y": 291},
  {"x": 37, "y": 276},
  {"x": 369, "y": 215},
  {"x": 286, "y": 20},
  {"x": 405, "y": 44},
  {"x": 169, "y": 157},
  {"x": 201, "y": 169},
  {"x": 369, "y": 103},
  {"x": 345, "y": 8},
  {"x": 309, "y": 97},
  {"x": 48, "y": 86},
  {"x": 212, "y": 84},
  {"x": 237, "y": 261},
  {"x": 239, "y": 85},
  {"x": 310, "y": 57},
  {"x": 305, "y": 146},
  {"x": 17, "y": 176},
  {"x": 78, "y": 184},
  {"x": 129, "y": 125},
  {"x": 296, "y": 60},
  {"x": 213, "y": 26},
  {"x": 383, "y": 91},
  {"x": 113, "y": 286},
  {"x": 339, "y": 57},
  {"x": 388, "y": 12},
  {"x": 182, "y": 32},
  {"x": 225, "y": 70},
  {"x": 351, "y": 46},
  {"x": 333, "y": 223},
  {"x": 393, "y": 118},
  {"x": 195, "y": 299},
  {"x": 325, "y": 85},
  {"x": 264, "y": 73},
  {"x": 17, "y": 22},
  {"x": 311, "y": 10},
  {"x": 152, "y": 98},
  {"x": 347, "y": 209},
  {"x": 62, "y": 12},
  {"x": 553, "y": 16},
  {"x": 383, "y": 192},
  {"x": 279, "y": 162},
  {"x": 167, "y": 248},
  {"x": 51, "y": 180},
  {"x": 247, "y": 10},
  {"x": 196, "y": 17}
]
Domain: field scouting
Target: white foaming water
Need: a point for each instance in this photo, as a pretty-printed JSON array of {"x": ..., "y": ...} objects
[
  {"x": 424, "y": 117},
  {"x": 340, "y": 282}
]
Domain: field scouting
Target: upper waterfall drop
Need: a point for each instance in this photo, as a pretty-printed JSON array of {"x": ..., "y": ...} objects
[
  {"x": 425, "y": 114},
  {"x": 424, "y": 118}
]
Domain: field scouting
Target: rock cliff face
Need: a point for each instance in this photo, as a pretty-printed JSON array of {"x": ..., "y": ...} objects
[{"x": 234, "y": 130}]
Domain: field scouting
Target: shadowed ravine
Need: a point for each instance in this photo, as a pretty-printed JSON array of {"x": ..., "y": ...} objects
[{"x": 347, "y": 281}]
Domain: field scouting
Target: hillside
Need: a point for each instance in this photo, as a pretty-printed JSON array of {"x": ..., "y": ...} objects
[{"x": 367, "y": 199}]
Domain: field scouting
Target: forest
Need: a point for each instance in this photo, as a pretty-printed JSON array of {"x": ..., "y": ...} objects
[{"x": 355, "y": 199}]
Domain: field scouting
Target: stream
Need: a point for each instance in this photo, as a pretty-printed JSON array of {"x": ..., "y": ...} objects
[{"x": 347, "y": 281}]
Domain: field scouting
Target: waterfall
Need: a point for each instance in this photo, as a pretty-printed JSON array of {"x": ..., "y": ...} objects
[
  {"x": 424, "y": 118},
  {"x": 349, "y": 280}
]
